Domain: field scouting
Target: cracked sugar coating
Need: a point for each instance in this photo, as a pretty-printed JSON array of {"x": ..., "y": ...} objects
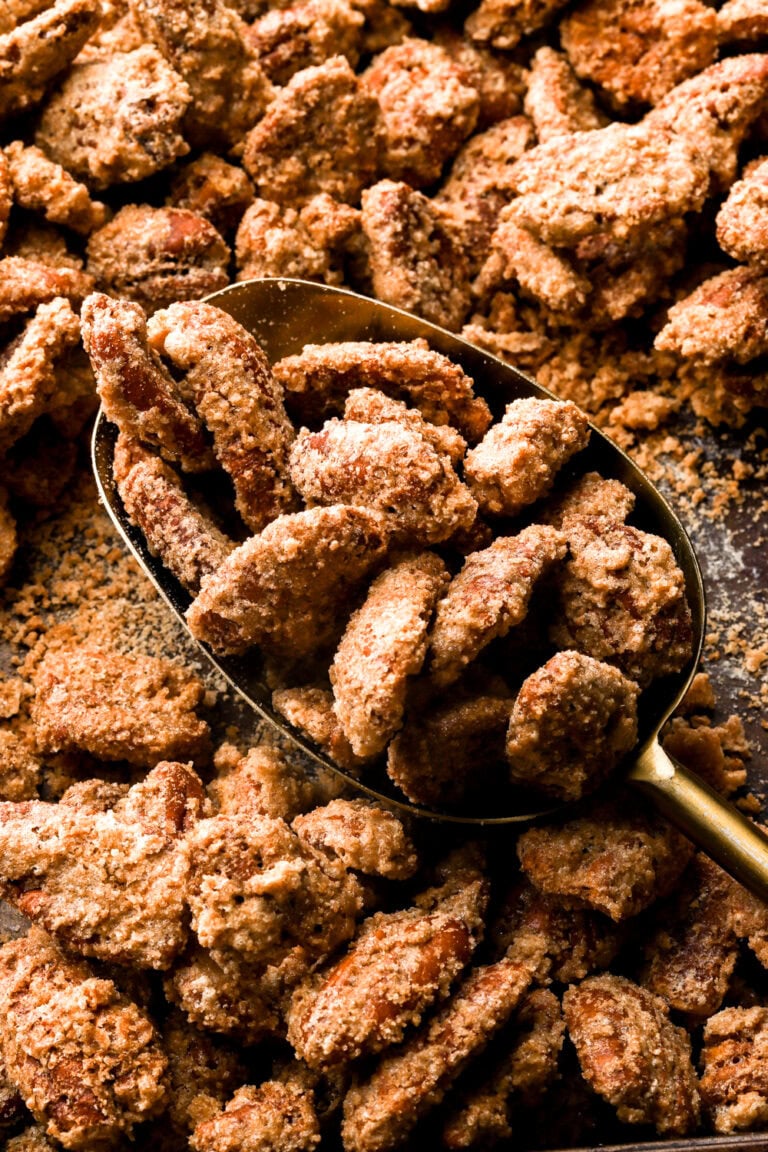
[
  {"x": 36, "y": 51},
  {"x": 319, "y": 134},
  {"x": 110, "y": 884},
  {"x": 229, "y": 380},
  {"x": 117, "y": 120},
  {"x": 310, "y": 709},
  {"x": 399, "y": 964},
  {"x": 572, "y": 722},
  {"x": 318, "y": 380},
  {"x": 622, "y": 599},
  {"x": 135, "y": 708},
  {"x": 87, "y": 1061},
  {"x": 212, "y": 188},
  {"x": 137, "y": 391},
  {"x": 188, "y": 544},
  {"x": 206, "y": 43},
  {"x": 517, "y": 461},
  {"x": 722, "y": 319},
  {"x": 614, "y": 859},
  {"x": 288, "y": 587},
  {"x": 369, "y": 406},
  {"x": 734, "y": 1083},
  {"x": 488, "y": 597},
  {"x": 301, "y": 35},
  {"x": 503, "y": 23},
  {"x": 417, "y": 259},
  {"x": 637, "y": 52},
  {"x": 389, "y": 468},
  {"x": 275, "y": 1117},
  {"x": 380, "y": 1112},
  {"x": 385, "y": 644},
  {"x": 632, "y": 1055}
]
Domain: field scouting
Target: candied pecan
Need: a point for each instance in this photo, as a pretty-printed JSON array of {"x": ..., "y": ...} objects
[
  {"x": 135, "y": 708},
  {"x": 369, "y": 406},
  {"x": 721, "y": 319},
  {"x": 526, "y": 1066},
  {"x": 741, "y": 20},
  {"x": 389, "y": 468},
  {"x": 742, "y": 222},
  {"x": 33, "y": 53},
  {"x": 622, "y": 599},
  {"x": 417, "y": 259},
  {"x": 202, "y": 1072},
  {"x": 116, "y": 120},
  {"x": 499, "y": 82},
  {"x": 614, "y": 858},
  {"x": 112, "y": 883},
  {"x": 632, "y": 1055},
  {"x": 28, "y": 373},
  {"x": 589, "y": 495},
  {"x": 286, "y": 587},
  {"x": 563, "y": 943},
  {"x": 734, "y": 1085},
  {"x": 310, "y": 709},
  {"x": 30, "y": 1140},
  {"x": 319, "y": 134},
  {"x": 19, "y": 769},
  {"x": 137, "y": 391},
  {"x": 503, "y": 23},
  {"x": 691, "y": 955},
  {"x": 478, "y": 184},
  {"x": 318, "y": 380},
  {"x": 384, "y": 644},
  {"x": 227, "y": 375},
  {"x": 257, "y": 890},
  {"x": 489, "y": 597},
  {"x": 87, "y": 1061},
  {"x": 435, "y": 757},
  {"x": 549, "y": 276},
  {"x": 274, "y": 240},
  {"x": 211, "y": 187},
  {"x": 25, "y": 284},
  {"x": 635, "y": 53},
  {"x": 428, "y": 109},
  {"x": 381, "y": 1111},
  {"x": 158, "y": 255},
  {"x": 235, "y": 998},
  {"x": 555, "y": 101},
  {"x": 275, "y": 1117},
  {"x": 398, "y": 965},
  {"x": 263, "y": 781},
  {"x": 611, "y": 184},
  {"x": 517, "y": 461},
  {"x": 40, "y": 185},
  {"x": 205, "y": 42},
  {"x": 714, "y": 111},
  {"x": 188, "y": 543},
  {"x": 364, "y": 836},
  {"x": 572, "y": 722},
  {"x": 300, "y": 35}
]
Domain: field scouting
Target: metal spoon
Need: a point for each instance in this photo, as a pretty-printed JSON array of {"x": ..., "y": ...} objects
[{"x": 284, "y": 315}]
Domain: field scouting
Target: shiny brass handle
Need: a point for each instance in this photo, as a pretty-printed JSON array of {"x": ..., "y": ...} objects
[{"x": 733, "y": 841}]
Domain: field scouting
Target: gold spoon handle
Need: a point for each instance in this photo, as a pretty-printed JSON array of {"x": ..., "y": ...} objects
[{"x": 733, "y": 841}]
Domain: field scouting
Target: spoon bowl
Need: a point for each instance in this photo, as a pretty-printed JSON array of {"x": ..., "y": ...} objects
[{"x": 284, "y": 315}]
